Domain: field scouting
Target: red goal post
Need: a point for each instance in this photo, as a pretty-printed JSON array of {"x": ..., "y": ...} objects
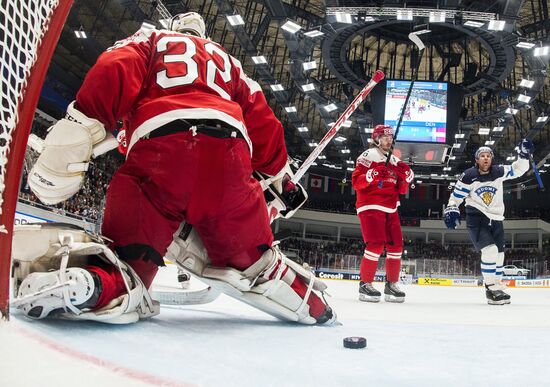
[{"x": 29, "y": 31}]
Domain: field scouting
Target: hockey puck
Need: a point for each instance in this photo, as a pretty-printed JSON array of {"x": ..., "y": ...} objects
[{"x": 355, "y": 342}]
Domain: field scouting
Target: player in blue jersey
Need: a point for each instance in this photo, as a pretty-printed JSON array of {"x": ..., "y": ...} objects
[{"x": 481, "y": 188}]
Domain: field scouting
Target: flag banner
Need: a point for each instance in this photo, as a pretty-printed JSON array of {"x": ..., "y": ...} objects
[
  {"x": 333, "y": 185},
  {"x": 316, "y": 182}
]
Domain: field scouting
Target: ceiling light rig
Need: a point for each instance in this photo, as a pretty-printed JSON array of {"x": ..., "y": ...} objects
[
  {"x": 291, "y": 27},
  {"x": 235, "y": 20}
]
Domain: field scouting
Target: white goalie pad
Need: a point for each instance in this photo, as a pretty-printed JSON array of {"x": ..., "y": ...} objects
[
  {"x": 264, "y": 285},
  {"x": 47, "y": 271}
]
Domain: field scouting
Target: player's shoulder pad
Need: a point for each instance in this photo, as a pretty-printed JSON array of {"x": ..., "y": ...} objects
[
  {"x": 395, "y": 159},
  {"x": 365, "y": 158},
  {"x": 140, "y": 36},
  {"x": 469, "y": 176}
]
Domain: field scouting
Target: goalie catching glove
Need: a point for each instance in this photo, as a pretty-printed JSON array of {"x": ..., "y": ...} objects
[{"x": 59, "y": 171}]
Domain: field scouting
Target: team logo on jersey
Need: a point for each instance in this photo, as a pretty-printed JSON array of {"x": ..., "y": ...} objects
[
  {"x": 363, "y": 159},
  {"x": 486, "y": 193}
]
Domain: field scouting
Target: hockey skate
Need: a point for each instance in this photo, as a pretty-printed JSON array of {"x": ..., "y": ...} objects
[
  {"x": 75, "y": 288},
  {"x": 392, "y": 293},
  {"x": 368, "y": 293},
  {"x": 496, "y": 296},
  {"x": 501, "y": 286}
]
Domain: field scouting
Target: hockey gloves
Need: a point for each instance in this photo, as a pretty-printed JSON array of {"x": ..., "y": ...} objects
[
  {"x": 283, "y": 197},
  {"x": 525, "y": 148},
  {"x": 404, "y": 172},
  {"x": 377, "y": 173},
  {"x": 59, "y": 171},
  {"x": 451, "y": 217}
]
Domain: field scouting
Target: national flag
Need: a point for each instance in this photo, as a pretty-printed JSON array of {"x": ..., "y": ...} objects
[
  {"x": 316, "y": 182},
  {"x": 333, "y": 185}
]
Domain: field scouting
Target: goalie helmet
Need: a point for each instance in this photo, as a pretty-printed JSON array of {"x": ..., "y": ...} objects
[
  {"x": 484, "y": 149},
  {"x": 190, "y": 23},
  {"x": 381, "y": 130}
]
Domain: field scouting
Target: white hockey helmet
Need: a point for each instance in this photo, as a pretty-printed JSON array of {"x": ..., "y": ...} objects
[
  {"x": 189, "y": 23},
  {"x": 484, "y": 149}
]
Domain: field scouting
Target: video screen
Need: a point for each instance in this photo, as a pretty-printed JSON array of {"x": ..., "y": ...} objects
[{"x": 425, "y": 118}]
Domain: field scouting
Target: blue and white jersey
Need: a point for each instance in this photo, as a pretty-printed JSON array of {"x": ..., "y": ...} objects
[{"x": 485, "y": 191}]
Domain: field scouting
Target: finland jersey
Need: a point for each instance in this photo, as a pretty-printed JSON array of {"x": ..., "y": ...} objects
[{"x": 484, "y": 191}]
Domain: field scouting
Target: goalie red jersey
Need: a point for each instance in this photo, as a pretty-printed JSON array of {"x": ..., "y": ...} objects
[
  {"x": 370, "y": 170},
  {"x": 168, "y": 76}
]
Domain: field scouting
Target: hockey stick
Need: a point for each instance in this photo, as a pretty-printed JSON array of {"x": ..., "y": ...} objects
[
  {"x": 182, "y": 297},
  {"x": 377, "y": 77},
  {"x": 413, "y": 36},
  {"x": 518, "y": 126}
]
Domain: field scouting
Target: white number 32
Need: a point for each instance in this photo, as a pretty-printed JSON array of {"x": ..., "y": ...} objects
[{"x": 192, "y": 71}]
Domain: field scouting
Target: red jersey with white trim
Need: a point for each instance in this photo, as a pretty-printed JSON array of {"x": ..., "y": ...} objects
[
  {"x": 369, "y": 195},
  {"x": 158, "y": 76}
]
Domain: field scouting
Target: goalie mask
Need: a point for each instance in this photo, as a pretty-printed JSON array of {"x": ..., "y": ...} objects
[{"x": 188, "y": 23}]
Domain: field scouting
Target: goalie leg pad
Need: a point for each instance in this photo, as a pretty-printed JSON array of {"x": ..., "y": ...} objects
[
  {"x": 273, "y": 284},
  {"x": 41, "y": 255},
  {"x": 277, "y": 286}
]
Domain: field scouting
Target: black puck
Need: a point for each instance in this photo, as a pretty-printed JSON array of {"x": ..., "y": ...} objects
[{"x": 355, "y": 342}]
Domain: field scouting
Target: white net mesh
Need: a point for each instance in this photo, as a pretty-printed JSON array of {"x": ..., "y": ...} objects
[{"x": 23, "y": 24}]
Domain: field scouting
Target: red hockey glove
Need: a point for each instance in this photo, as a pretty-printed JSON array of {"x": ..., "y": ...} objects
[
  {"x": 377, "y": 173},
  {"x": 404, "y": 172}
]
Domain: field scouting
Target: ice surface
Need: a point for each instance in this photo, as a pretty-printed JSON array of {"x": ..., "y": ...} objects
[{"x": 439, "y": 336}]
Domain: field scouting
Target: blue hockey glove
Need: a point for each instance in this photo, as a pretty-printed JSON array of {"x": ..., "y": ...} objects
[
  {"x": 525, "y": 148},
  {"x": 451, "y": 217}
]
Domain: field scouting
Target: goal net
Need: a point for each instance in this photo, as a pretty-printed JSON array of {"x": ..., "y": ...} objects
[{"x": 29, "y": 30}]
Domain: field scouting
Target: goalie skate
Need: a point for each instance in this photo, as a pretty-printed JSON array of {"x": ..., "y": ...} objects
[{"x": 77, "y": 284}]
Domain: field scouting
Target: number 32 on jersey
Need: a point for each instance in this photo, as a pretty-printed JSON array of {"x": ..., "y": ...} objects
[{"x": 192, "y": 73}]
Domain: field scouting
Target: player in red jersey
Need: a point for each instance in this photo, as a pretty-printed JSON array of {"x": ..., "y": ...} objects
[
  {"x": 378, "y": 188},
  {"x": 196, "y": 128}
]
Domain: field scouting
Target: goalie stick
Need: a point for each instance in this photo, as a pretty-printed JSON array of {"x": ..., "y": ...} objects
[
  {"x": 190, "y": 297},
  {"x": 413, "y": 36}
]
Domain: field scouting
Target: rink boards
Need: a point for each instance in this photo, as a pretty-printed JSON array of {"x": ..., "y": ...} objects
[{"x": 520, "y": 282}]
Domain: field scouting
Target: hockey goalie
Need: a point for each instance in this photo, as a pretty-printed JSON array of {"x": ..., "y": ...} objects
[{"x": 196, "y": 128}]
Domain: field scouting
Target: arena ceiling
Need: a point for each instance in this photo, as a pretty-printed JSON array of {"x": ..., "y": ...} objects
[{"x": 344, "y": 42}]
